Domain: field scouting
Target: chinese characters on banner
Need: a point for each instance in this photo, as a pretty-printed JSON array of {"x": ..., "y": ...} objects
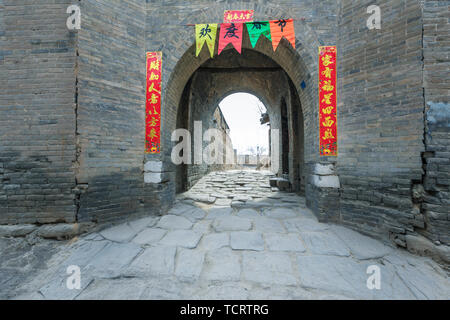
[
  {"x": 327, "y": 101},
  {"x": 282, "y": 28},
  {"x": 238, "y": 16},
  {"x": 231, "y": 33},
  {"x": 205, "y": 33},
  {"x": 153, "y": 103},
  {"x": 256, "y": 29}
]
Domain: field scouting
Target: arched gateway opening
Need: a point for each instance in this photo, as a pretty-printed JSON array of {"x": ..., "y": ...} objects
[
  {"x": 259, "y": 75},
  {"x": 248, "y": 122},
  {"x": 280, "y": 79}
]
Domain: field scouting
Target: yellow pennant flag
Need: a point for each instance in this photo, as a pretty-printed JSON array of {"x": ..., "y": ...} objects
[{"x": 205, "y": 32}]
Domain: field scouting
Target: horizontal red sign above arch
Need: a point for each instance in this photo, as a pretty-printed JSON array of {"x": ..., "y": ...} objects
[{"x": 237, "y": 16}]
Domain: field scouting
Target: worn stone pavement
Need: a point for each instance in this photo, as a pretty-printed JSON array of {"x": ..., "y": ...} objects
[{"x": 232, "y": 237}]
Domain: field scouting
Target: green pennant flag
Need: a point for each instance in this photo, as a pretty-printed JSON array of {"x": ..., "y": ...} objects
[{"x": 255, "y": 29}]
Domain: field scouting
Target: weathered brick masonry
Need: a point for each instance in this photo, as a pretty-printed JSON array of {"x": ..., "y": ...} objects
[
  {"x": 110, "y": 111},
  {"x": 37, "y": 113},
  {"x": 381, "y": 116},
  {"x": 72, "y": 109},
  {"x": 435, "y": 203}
]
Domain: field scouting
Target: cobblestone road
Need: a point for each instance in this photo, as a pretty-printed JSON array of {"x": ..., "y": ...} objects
[{"x": 233, "y": 237}]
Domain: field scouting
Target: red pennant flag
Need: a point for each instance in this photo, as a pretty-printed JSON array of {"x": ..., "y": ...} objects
[
  {"x": 282, "y": 28},
  {"x": 231, "y": 33}
]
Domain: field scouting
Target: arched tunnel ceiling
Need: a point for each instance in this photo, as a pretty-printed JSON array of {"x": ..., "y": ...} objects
[{"x": 248, "y": 59}]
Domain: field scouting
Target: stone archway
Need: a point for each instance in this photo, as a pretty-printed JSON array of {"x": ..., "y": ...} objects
[{"x": 281, "y": 80}]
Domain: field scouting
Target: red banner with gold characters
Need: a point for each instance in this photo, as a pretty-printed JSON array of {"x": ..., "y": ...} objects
[
  {"x": 328, "y": 101},
  {"x": 153, "y": 103},
  {"x": 238, "y": 16}
]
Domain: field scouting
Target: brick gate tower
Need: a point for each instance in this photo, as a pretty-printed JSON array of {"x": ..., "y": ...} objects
[{"x": 72, "y": 110}]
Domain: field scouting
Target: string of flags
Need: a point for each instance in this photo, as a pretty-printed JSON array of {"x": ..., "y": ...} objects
[{"x": 232, "y": 32}]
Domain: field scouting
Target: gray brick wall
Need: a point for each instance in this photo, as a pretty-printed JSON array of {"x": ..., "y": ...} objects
[
  {"x": 37, "y": 113},
  {"x": 72, "y": 107},
  {"x": 435, "y": 203},
  {"x": 380, "y": 115},
  {"x": 111, "y": 109},
  {"x": 390, "y": 92}
]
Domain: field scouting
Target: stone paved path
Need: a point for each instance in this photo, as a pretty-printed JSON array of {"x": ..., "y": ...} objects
[{"x": 233, "y": 237}]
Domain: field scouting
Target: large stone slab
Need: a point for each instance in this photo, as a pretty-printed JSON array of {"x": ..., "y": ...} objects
[
  {"x": 268, "y": 225},
  {"x": 343, "y": 276},
  {"x": 218, "y": 212},
  {"x": 222, "y": 291},
  {"x": 140, "y": 224},
  {"x": 253, "y": 204},
  {"x": 84, "y": 252},
  {"x": 424, "y": 278},
  {"x": 183, "y": 238},
  {"x": 361, "y": 247},
  {"x": 81, "y": 254},
  {"x": 203, "y": 226},
  {"x": 149, "y": 236},
  {"x": 172, "y": 222},
  {"x": 222, "y": 265},
  {"x": 242, "y": 198},
  {"x": 223, "y": 202},
  {"x": 114, "y": 289},
  {"x": 246, "y": 241},
  {"x": 63, "y": 231},
  {"x": 305, "y": 213},
  {"x": 204, "y": 198},
  {"x": 156, "y": 261},
  {"x": 16, "y": 230},
  {"x": 180, "y": 208},
  {"x": 248, "y": 213},
  {"x": 111, "y": 261},
  {"x": 57, "y": 288},
  {"x": 284, "y": 242},
  {"x": 334, "y": 275},
  {"x": 120, "y": 233},
  {"x": 268, "y": 268},
  {"x": 165, "y": 288},
  {"x": 194, "y": 215},
  {"x": 189, "y": 264},
  {"x": 304, "y": 225},
  {"x": 231, "y": 223},
  {"x": 325, "y": 243},
  {"x": 280, "y": 213},
  {"x": 215, "y": 241},
  {"x": 190, "y": 212}
]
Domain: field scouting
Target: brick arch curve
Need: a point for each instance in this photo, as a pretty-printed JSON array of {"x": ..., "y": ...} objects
[
  {"x": 221, "y": 92},
  {"x": 299, "y": 64},
  {"x": 222, "y": 97}
]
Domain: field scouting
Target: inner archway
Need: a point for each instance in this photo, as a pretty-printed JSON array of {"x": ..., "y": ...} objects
[{"x": 249, "y": 128}]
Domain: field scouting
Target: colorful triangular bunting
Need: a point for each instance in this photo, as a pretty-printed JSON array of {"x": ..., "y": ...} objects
[
  {"x": 205, "y": 33},
  {"x": 282, "y": 28},
  {"x": 231, "y": 33},
  {"x": 255, "y": 29}
]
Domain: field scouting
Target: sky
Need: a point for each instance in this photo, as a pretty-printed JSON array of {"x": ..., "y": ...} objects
[{"x": 243, "y": 117}]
